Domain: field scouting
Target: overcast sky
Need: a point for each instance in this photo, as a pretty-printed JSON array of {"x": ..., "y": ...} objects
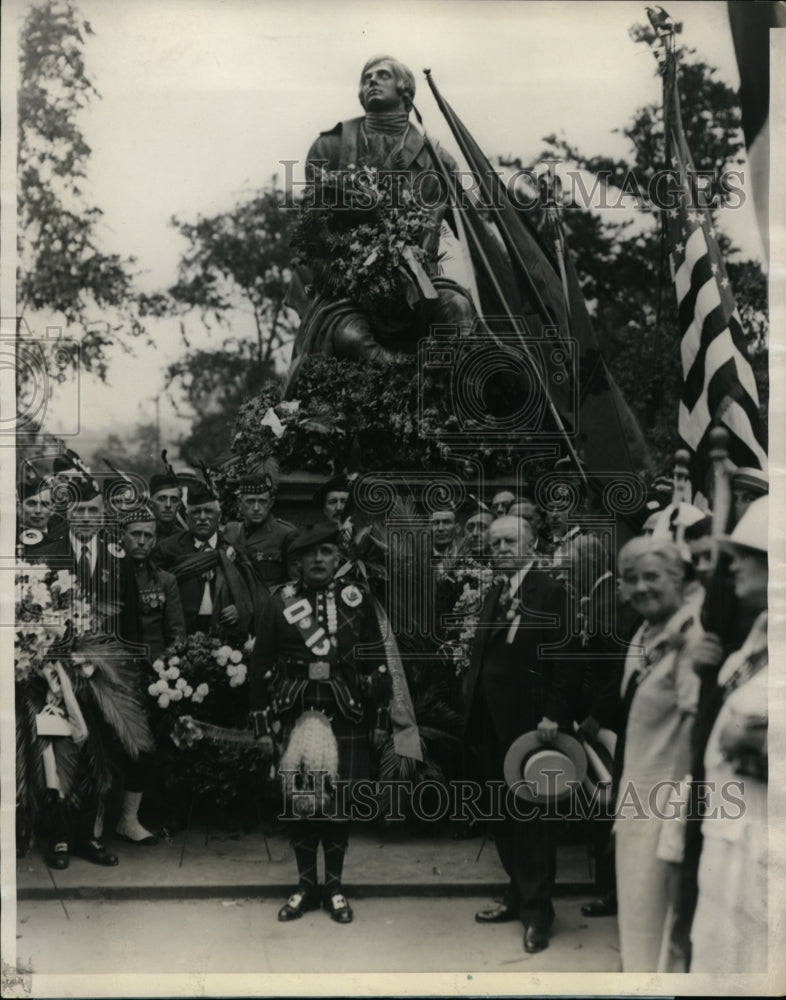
[{"x": 201, "y": 99}]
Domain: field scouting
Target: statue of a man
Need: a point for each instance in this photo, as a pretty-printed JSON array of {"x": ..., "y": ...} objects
[{"x": 385, "y": 140}]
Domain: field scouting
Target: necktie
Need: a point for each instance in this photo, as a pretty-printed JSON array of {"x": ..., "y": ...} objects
[
  {"x": 206, "y": 605},
  {"x": 85, "y": 566}
]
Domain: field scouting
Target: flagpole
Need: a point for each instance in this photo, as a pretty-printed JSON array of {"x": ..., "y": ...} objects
[
  {"x": 452, "y": 186},
  {"x": 511, "y": 248}
]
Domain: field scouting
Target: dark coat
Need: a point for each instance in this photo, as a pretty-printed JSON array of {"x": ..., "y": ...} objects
[
  {"x": 104, "y": 584},
  {"x": 152, "y": 613},
  {"x": 229, "y": 584},
  {"x": 265, "y": 545},
  {"x": 521, "y": 682},
  {"x": 279, "y": 644}
]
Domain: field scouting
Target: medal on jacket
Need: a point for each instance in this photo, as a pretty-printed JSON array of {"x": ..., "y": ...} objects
[
  {"x": 298, "y": 610},
  {"x": 153, "y": 598}
]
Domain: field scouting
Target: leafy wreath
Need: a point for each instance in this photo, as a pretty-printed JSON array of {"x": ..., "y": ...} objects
[{"x": 360, "y": 242}]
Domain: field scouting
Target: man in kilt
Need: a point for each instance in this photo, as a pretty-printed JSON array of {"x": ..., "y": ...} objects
[{"x": 331, "y": 707}]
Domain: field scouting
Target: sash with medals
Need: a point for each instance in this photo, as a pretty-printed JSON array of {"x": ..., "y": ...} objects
[{"x": 298, "y": 611}]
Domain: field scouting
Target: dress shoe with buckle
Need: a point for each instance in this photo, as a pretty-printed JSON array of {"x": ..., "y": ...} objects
[
  {"x": 95, "y": 852},
  {"x": 338, "y": 908},
  {"x": 57, "y": 856},
  {"x": 605, "y": 906},
  {"x": 536, "y": 938},
  {"x": 500, "y": 913},
  {"x": 298, "y": 904}
]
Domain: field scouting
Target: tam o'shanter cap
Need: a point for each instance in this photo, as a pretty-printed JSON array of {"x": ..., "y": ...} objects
[
  {"x": 166, "y": 480},
  {"x": 87, "y": 489},
  {"x": 198, "y": 493},
  {"x": 138, "y": 516},
  {"x": 337, "y": 484},
  {"x": 314, "y": 534},
  {"x": 162, "y": 481},
  {"x": 29, "y": 488},
  {"x": 258, "y": 482}
]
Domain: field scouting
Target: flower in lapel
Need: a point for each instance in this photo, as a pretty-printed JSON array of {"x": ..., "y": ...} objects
[
  {"x": 115, "y": 550},
  {"x": 230, "y": 553}
]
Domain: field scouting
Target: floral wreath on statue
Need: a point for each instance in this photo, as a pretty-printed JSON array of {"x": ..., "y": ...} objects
[{"x": 360, "y": 242}]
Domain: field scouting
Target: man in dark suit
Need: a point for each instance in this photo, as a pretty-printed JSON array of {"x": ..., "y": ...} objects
[
  {"x": 515, "y": 685},
  {"x": 212, "y": 575},
  {"x": 88, "y": 549}
]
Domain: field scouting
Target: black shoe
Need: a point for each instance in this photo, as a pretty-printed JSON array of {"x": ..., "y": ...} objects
[
  {"x": 57, "y": 856},
  {"x": 536, "y": 938},
  {"x": 605, "y": 906},
  {"x": 500, "y": 913},
  {"x": 150, "y": 841},
  {"x": 298, "y": 903},
  {"x": 338, "y": 908},
  {"x": 95, "y": 852}
]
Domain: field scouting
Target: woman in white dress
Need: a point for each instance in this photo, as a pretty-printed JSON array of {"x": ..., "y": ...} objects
[
  {"x": 660, "y": 692},
  {"x": 729, "y": 932}
]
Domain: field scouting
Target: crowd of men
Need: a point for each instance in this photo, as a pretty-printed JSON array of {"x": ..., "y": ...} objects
[{"x": 168, "y": 565}]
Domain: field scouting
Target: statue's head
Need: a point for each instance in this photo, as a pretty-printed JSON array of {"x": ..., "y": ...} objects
[{"x": 386, "y": 85}]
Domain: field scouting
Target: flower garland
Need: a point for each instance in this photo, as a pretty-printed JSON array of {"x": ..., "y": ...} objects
[
  {"x": 474, "y": 580},
  {"x": 359, "y": 242}
]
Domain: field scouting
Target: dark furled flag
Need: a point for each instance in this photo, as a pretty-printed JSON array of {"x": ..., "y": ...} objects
[
  {"x": 517, "y": 278},
  {"x": 718, "y": 383},
  {"x": 750, "y": 30}
]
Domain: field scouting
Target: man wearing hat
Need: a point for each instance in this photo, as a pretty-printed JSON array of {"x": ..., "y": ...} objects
[
  {"x": 89, "y": 549},
  {"x": 332, "y": 706},
  {"x": 151, "y": 616},
  {"x": 164, "y": 491},
  {"x": 747, "y": 484},
  {"x": 213, "y": 576},
  {"x": 262, "y": 535},
  {"x": 34, "y": 513},
  {"x": 333, "y": 498},
  {"x": 513, "y": 688}
]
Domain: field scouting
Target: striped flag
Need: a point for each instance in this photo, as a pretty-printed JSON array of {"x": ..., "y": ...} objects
[{"x": 718, "y": 383}]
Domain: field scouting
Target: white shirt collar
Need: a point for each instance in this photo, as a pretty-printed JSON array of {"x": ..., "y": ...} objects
[
  {"x": 212, "y": 541},
  {"x": 518, "y": 576}
]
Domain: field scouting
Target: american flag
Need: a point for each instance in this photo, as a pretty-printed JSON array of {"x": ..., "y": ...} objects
[{"x": 718, "y": 383}]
